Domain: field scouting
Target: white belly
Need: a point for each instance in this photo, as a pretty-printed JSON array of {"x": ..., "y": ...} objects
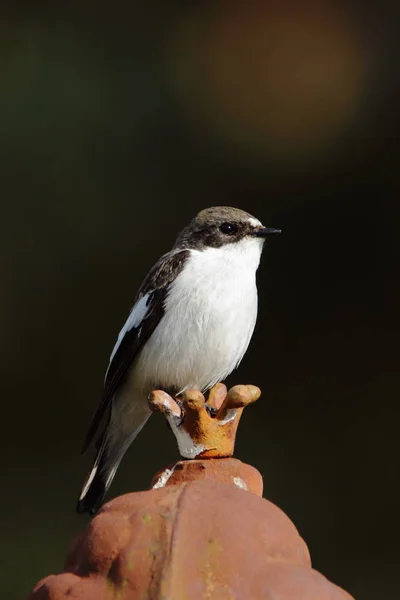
[{"x": 210, "y": 314}]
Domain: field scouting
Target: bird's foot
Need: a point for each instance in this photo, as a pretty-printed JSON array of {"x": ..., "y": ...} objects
[
  {"x": 211, "y": 410},
  {"x": 216, "y": 398}
]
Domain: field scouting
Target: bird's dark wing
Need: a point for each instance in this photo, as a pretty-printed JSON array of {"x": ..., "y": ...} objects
[{"x": 144, "y": 317}]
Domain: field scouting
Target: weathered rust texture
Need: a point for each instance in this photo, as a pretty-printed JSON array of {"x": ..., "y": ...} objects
[
  {"x": 225, "y": 470},
  {"x": 212, "y": 433},
  {"x": 199, "y": 534},
  {"x": 194, "y": 541}
]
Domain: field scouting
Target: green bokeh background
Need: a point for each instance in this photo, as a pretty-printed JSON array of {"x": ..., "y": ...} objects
[{"x": 118, "y": 122}]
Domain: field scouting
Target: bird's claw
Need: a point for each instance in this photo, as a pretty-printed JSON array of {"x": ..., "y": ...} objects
[{"x": 212, "y": 411}]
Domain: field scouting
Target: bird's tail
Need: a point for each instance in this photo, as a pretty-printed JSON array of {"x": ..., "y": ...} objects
[
  {"x": 97, "y": 482},
  {"x": 109, "y": 454}
]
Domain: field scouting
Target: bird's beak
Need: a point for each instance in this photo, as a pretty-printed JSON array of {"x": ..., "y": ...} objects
[{"x": 265, "y": 231}]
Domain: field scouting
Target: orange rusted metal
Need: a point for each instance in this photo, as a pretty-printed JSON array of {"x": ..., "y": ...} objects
[
  {"x": 195, "y": 541},
  {"x": 225, "y": 470},
  {"x": 202, "y": 532},
  {"x": 206, "y": 430}
]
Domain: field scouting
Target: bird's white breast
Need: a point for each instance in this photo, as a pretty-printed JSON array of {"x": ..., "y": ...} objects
[{"x": 210, "y": 313}]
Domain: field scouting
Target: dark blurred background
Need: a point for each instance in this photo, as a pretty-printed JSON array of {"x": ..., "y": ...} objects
[{"x": 118, "y": 122}]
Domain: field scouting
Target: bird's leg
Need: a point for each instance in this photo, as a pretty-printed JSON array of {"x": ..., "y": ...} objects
[
  {"x": 178, "y": 401},
  {"x": 178, "y": 420}
]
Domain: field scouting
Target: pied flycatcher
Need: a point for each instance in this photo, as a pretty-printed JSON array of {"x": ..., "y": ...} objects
[{"x": 189, "y": 327}]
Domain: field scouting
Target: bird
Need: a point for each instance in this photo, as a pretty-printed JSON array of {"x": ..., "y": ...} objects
[{"x": 189, "y": 328}]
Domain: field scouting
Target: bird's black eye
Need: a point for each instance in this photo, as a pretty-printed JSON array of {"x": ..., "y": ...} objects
[{"x": 228, "y": 228}]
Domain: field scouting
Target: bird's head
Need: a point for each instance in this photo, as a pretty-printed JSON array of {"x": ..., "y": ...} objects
[{"x": 222, "y": 225}]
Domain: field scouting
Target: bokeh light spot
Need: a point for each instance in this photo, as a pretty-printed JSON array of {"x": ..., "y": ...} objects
[{"x": 281, "y": 80}]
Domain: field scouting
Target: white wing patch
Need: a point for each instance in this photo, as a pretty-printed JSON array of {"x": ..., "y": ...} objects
[{"x": 135, "y": 318}]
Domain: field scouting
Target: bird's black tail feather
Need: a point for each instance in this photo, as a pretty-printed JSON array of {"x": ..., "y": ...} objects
[
  {"x": 97, "y": 482},
  {"x": 92, "y": 501},
  {"x": 109, "y": 454}
]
